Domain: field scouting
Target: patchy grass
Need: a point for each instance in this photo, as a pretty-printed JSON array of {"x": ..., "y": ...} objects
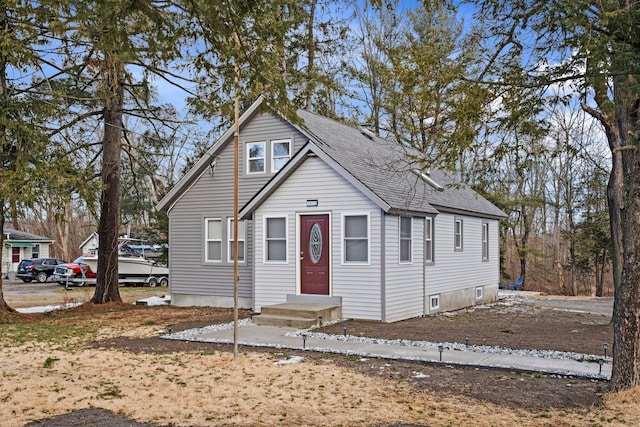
[{"x": 48, "y": 371}]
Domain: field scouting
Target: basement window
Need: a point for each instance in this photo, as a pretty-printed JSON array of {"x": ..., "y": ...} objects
[{"x": 434, "y": 302}]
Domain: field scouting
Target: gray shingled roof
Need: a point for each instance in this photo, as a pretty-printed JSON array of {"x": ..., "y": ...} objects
[
  {"x": 24, "y": 236},
  {"x": 387, "y": 169}
]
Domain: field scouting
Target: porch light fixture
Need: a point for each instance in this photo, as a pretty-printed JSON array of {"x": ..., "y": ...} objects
[
  {"x": 304, "y": 341},
  {"x": 440, "y": 349},
  {"x": 605, "y": 346},
  {"x": 466, "y": 339},
  {"x": 600, "y": 362}
]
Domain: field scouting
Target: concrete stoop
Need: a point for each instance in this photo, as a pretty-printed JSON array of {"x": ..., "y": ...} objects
[{"x": 297, "y": 315}]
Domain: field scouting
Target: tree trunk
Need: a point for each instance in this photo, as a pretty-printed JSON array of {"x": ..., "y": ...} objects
[
  {"x": 109, "y": 225},
  {"x": 4, "y": 92},
  {"x": 623, "y": 196},
  {"x": 625, "y": 226},
  {"x": 4, "y": 307},
  {"x": 599, "y": 273}
]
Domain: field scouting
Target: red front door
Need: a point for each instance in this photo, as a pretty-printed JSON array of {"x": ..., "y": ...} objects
[{"x": 314, "y": 254}]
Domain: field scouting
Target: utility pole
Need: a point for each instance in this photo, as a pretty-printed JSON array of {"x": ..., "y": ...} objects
[{"x": 236, "y": 143}]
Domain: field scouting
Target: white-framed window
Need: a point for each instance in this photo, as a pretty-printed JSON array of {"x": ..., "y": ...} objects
[
  {"x": 355, "y": 238},
  {"x": 479, "y": 292},
  {"x": 213, "y": 239},
  {"x": 275, "y": 239},
  {"x": 457, "y": 234},
  {"x": 35, "y": 250},
  {"x": 280, "y": 154},
  {"x": 406, "y": 231},
  {"x": 434, "y": 302},
  {"x": 485, "y": 241},
  {"x": 428, "y": 240},
  {"x": 241, "y": 240},
  {"x": 255, "y": 157}
]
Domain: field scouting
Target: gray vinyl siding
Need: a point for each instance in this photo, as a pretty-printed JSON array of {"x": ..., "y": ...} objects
[
  {"x": 358, "y": 285},
  {"x": 404, "y": 281},
  {"x": 457, "y": 270},
  {"x": 212, "y": 197}
]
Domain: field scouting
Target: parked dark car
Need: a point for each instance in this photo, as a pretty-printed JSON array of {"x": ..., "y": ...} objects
[{"x": 37, "y": 269}]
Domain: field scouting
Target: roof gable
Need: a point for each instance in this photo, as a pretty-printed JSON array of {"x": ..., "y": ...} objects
[
  {"x": 382, "y": 170},
  {"x": 206, "y": 161}
]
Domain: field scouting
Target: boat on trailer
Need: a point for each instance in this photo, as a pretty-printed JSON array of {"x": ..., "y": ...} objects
[{"x": 133, "y": 270}]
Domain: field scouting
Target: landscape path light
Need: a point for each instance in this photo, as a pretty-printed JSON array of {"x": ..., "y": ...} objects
[
  {"x": 304, "y": 341},
  {"x": 440, "y": 349},
  {"x": 344, "y": 329},
  {"x": 600, "y": 362},
  {"x": 466, "y": 339},
  {"x": 605, "y": 346}
]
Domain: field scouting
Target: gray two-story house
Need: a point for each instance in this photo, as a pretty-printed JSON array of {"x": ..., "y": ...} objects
[{"x": 333, "y": 213}]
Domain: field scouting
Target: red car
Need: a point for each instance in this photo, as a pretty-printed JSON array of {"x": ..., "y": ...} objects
[{"x": 75, "y": 270}]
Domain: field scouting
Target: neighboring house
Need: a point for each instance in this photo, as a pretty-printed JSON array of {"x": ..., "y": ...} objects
[
  {"x": 90, "y": 245},
  {"x": 19, "y": 245},
  {"x": 329, "y": 213}
]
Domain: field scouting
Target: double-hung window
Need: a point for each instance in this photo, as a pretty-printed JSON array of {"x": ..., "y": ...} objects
[
  {"x": 255, "y": 157},
  {"x": 457, "y": 235},
  {"x": 405, "y": 239},
  {"x": 35, "y": 250},
  {"x": 355, "y": 247},
  {"x": 275, "y": 239},
  {"x": 213, "y": 238},
  {"x": 485, "y": 241},
  {"x": 280, "y": 154},
  {"x": 241, "y": 239},
  {"x": 428, "y": 240}
]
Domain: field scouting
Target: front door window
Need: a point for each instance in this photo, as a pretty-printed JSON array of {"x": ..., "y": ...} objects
[{"x": 315, "y": 243}]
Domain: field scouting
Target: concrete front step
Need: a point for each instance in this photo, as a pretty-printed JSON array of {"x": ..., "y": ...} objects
[{"x": 297, "y": 315}]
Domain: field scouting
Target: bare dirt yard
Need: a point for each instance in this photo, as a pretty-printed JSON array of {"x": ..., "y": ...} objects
[{"x": 107, "y": 366}]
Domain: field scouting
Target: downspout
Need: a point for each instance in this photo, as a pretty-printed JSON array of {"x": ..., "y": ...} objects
[
  {"x": 424, "y": 265},
  {"x": 383, "y": 270}
]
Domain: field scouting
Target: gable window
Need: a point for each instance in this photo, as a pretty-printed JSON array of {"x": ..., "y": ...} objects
[
  {"x": 213, "y": 237},
  {"x": 275, "y": 239},
  {"x": 255, "y": 157},
  {"x": 405, "y": 239},
  {"x": 355, "y": 247},
  {"x": 241, "y": 239},
  {"x": 280, "y": 154},
  {"x": 428, "y": 240},
  {"x": 485, "y": 241},
  {"x": 35, "y": 250},
  {"x": 457, "y": 235}
]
